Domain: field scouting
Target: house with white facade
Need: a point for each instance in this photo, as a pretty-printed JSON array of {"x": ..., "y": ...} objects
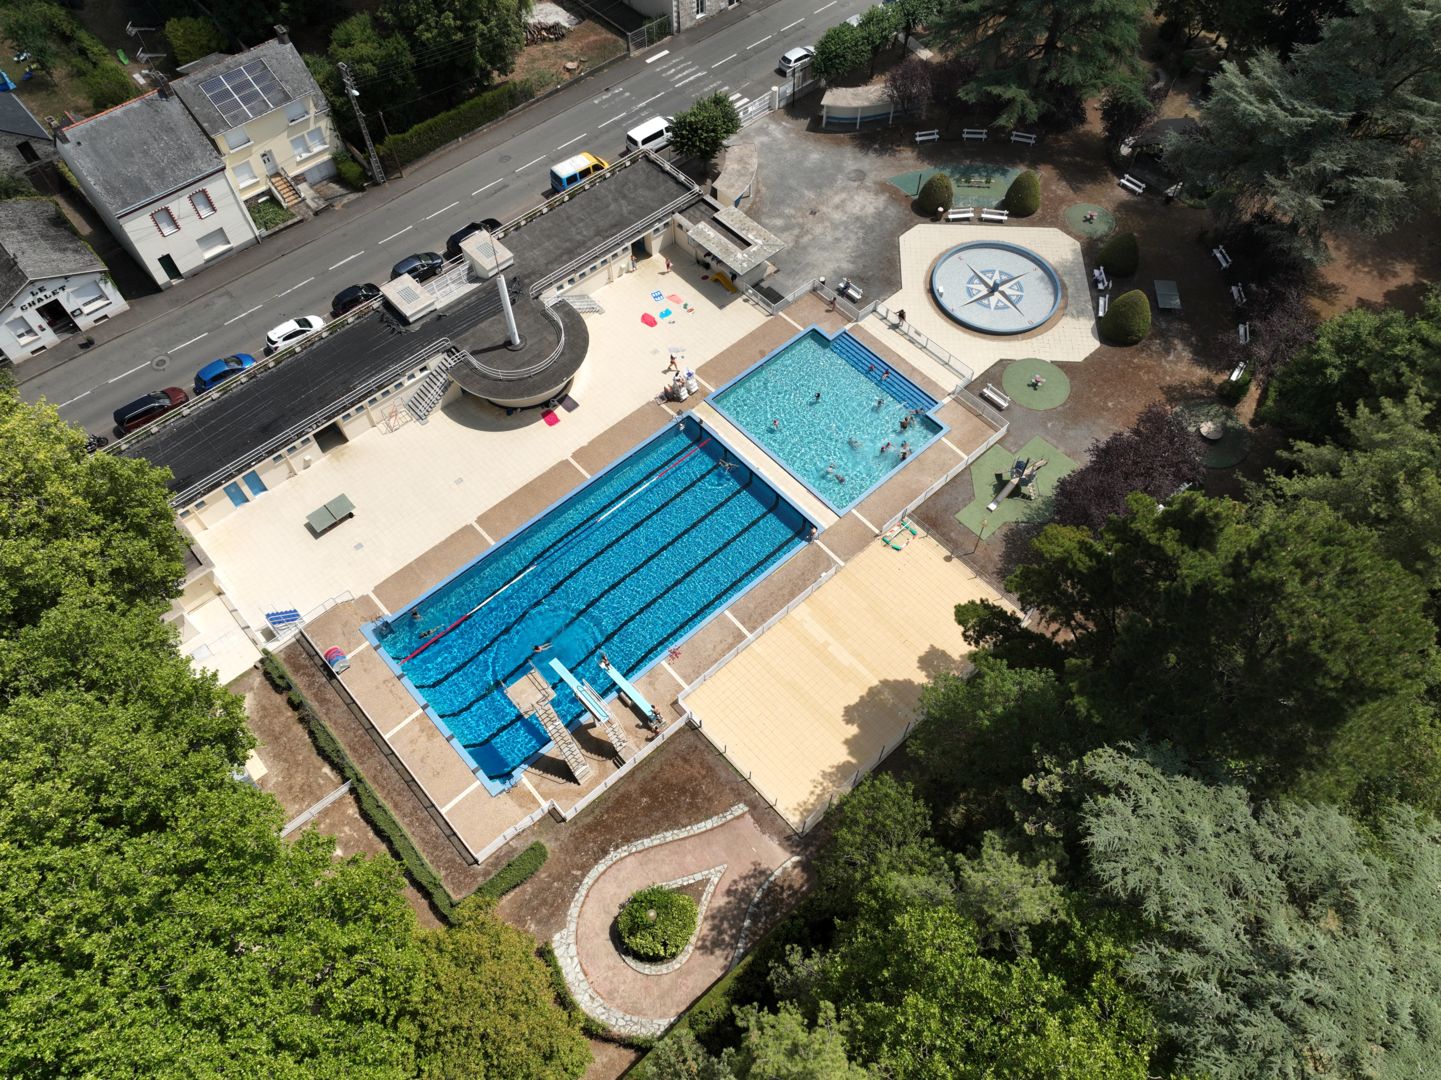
[
  {"x": 266, "y": 116},
  {"x": 51, "y": 282},
  {"x": 159, "y": 183}
]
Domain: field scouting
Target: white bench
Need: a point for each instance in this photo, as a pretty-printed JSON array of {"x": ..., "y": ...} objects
[
  {"x": 1100, "y": 280},
  {"x": 1023, "y": 137},
  {"x": 995, "y": 397},
  {"x": 965, "y": 213},
  {"x": 1222, "y": 257},
  {"x": 1238, "y": 294},
  {"x": 928, "y": 136},
  {"x": 1131, "y": 184},
  {"x": 1237, "y": 372},
  {"x": 974, "y": 134},
  {"x": 1103, "y": 305},
  {"x": 995, "y": 215},
  {"x": 1243, "y": 332}
]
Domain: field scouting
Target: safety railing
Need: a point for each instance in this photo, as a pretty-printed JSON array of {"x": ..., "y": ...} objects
[{"x": 916, "y": 337}]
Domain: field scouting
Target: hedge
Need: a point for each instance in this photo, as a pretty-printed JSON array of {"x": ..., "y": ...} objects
[
  {"x": 1120, "y": 255},
  {"x": 1024, "y": 197},
  {"x": 372, "y": 807},
  {"x": 430, "y": 135},
  {"x": 515, "y": 873},
  {"x": 656, "y": 923},
  {"x": 1231, "y": 391},
  {"x": 936, "y": 192},
  {"x": 1128, "y": 320},
  {"x": 351, "y": 172}
]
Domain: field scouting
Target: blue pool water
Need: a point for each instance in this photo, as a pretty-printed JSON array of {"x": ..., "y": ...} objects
[
  {"x": 841, "y": 435},
  {"x": 630, "y": 564}
]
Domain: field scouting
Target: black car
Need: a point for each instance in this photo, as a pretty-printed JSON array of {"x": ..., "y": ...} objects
[
  {"x": 421, "y": 265},
  {"x": 351, "y": 298},
  {"x": 452, "y": 246}
]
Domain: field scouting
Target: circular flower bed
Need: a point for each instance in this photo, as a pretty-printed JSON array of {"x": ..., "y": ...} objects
[{"x": 656, "y": 923}]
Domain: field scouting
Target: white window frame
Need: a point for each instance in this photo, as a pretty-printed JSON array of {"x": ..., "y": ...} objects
[
  {"x": 310, "y": 150},
  {"x": 240, "y": 179},
  {"x": 200, "y": 212},
  {"x": 95, "y": 303},
  {"x": 212, "y": 252},
  {"x": 231, "y": 147},
  {"x": 304, "y": 104},
  {"x": 30, "y": 334},
  {"x": 174, "y": 221}
]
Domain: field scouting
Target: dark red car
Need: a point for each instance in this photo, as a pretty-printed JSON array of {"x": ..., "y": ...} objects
[{"x": 150, "y": 407}]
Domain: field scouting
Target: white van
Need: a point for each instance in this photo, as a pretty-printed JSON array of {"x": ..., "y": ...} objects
[{"x": 654, "y": 134}]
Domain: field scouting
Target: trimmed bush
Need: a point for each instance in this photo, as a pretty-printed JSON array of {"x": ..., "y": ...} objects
[
  {"x": 1024, "y": 198},
  {"x": 428, "y": 135},
  {"x": 515, "y": 873},
  {"x": 656, "y": 923},
  {"x": 937, "y": 191},
  {"x": 1129, "y": 319},
  {"x": 1231, "y": 391},
  {"x": 350, "y": 171},
  {"x": 1120, "y": 255},
  {"x": 108, "y": 85}
]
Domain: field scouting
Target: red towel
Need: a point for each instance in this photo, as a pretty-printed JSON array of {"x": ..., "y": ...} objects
[
  {"x": 648, "y": 319},
  {"x": 550, "y": 418}
]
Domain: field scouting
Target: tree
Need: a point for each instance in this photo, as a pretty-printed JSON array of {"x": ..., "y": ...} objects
[
  {"x": 191, "y": 38},
  {"x": 1120, "y": 255},
  {"x": 1128, "y": 320},
  {"x": 908, "y": 85},
  {"x": 879, "y": 24},
  {"x": 702, "y": 130},
  {"x": 1125, "y": 110},
  {"x": 485, "y": 1005},
  {"x": 1005, "y": 896},
  {"x": 1157, "y": 456},
  {"x": 1281, "y": 325},
  {"x": 1036, "y": 57},
  {"x": 458, "y": 40},
  {"x": 382, "y": 66},
  {"x": 911, "y": 15},
  {"x": 1286, "y": 940},
  {"x": 936, "y": 193},
  {"x": 840, "y": 50},
  {"x": 782, "y": 1046},
  {"x": 39, "y": 28},
  {"x": 1024, "y": 196},
  {"x": 1340, "y": 135}
]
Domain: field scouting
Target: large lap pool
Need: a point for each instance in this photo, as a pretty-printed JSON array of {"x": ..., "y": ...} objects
[
  {"x": 868, "y": 420},
  {"x": 630, "y": 564}
]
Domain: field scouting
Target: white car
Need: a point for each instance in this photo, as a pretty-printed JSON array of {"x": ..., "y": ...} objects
[
  {"x": 795, "y": 58},
  {"x": 287, "y": 333}
]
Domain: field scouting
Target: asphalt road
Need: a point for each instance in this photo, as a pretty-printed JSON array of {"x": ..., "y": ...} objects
[{"x": 173, "y": 334}]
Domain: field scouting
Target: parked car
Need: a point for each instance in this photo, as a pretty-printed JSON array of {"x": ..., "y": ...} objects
[
  {"x": 452, "y": 246},
  {"x": 292, "y": 331},
  {"x": 351, "y": 298},
  {"x": 421, "y": 265},
  {"x": 654, "y": 134},
  {"x": 566, "y": 174},
  {"x": 794, "y": 58},
  {"x": 217, "y": 371},
  {"x": 150, "y": 407}
]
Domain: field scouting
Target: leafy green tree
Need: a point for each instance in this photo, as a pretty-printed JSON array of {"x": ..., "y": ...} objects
[
  {"x": 40, "y": 28},
  {"x": 702, "y": 130},
  {"x": 459, "y": 40},
  {"x": 1285, "y": 940},
  {"x": 191, "y": 38},
  {"x": 911, "y": 15},
  {"x": 382, "y": 66},
  {"x": 1125, "y": 110},
  {"x": 1006, "y": 896},
  {"x": 1036, "y": 57},
  {"x": 841, "y": 50},
  {"x": 782, "y": 1046},
  {"x": 1120, "y": 255},
  {"x": 1024, "y": 197},
  {"x": 937, "y": 193},
  {"x": 879, "y": 25}
]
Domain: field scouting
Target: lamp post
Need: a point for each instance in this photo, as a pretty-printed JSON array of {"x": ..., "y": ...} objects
[{"x": 376, "y": 172}]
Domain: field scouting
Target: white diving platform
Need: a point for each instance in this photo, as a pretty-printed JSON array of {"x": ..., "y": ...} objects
[
  {"x": 595, "y": 705},
  {"x": 629, "y": 693}
]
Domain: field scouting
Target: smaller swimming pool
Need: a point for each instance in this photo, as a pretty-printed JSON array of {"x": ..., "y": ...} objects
[{"x": 832, "y": 413}]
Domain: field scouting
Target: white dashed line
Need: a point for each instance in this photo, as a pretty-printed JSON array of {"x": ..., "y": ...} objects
[
  {"x": 727, "y": 60},
  {"x": 402, "y": 232},
  {"x": 823, "y": 7},
  {"x": 657, "y": 56},
  {"x": 73, "y": 400},
  {"x": 253, "y": 310},
  {"x": 528, "y": 164},
  {"x": 577, "y": 139},
  {"x": 292, "y": 288},
  {"x": 478, "y": 190},
  {"x": 762, "y": 41},
  {"x": 132, "y": 371},
  {"x": 697, "y": 75},
  {"x": 648, "y": 100},
  {"x": 192, "y": 341},
  {"x": 792, "y": 26},
  {"x": 345, "y": 260},
  {"x": 613, "y": 119},
  {"x": 442, "y": 210}
]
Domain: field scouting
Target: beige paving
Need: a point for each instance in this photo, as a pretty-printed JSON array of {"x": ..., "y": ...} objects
[
  {"x": 817, "y": 699},
  {"x": 216, "y": 641}
]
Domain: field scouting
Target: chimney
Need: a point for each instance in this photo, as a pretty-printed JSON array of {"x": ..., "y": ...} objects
[
  {"x": 282, "y": 34},
  {"x": 161, "y": 83},
  {"x": 57, "y": 130}
]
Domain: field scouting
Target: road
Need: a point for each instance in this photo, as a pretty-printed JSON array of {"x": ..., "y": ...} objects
[{"x": 506, "y": 175}]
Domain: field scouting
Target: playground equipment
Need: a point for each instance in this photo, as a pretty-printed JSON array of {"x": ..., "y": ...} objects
[{"x": 1023, "y": 477}]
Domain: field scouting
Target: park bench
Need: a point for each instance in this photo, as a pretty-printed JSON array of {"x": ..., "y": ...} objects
[
  {"x": 1024, "y": 137},
  {"x": 974, "y": 134},
  {"x": 1103, "y": 305},
  {"x": 975, "y": 181},
  {"x": 1131, "y": 184},
  {"x": 963, "y": 213},
  {"x": 1237, "y": 372},
  {"x": 995, "y": 397},
  {"x": 1100, "y": 280},
  {"x": 1243, "y": 332},
  {"x": 1238, "y": 294},
  {"x": 995, "y": 215},
  {"x": 933, "y": 135},
  {"x": 1222, "y": 257}
]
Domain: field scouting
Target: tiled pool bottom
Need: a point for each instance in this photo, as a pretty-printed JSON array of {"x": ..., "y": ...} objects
[{"x": 833, "y": 414}]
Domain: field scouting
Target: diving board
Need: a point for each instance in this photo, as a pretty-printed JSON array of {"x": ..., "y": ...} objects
[
  {"x": 595, "y": 705},
  {"x": 648, "y": 714}
]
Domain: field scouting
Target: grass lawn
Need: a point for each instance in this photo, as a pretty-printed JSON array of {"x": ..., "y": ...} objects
[
  {"x": 982, "y": 185},
  {"x": 998, "y": 459}
]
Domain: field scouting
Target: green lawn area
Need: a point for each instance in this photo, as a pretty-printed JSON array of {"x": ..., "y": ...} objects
[
  {"x": 999, "y": 460},
  {"x": 975, "y": 184}
]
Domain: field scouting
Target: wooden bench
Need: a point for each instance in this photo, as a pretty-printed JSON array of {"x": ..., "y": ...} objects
[
  {"x": 1238, "y": 294},
  {"x": 1103, "y": 305},
  {"x": 933, "y": 135},
  {"x": 965, "y": 213},
  {"x": 995, "y": 215},
  {"x": 1131, "y": 184},
  {"x": 1221, "y": 257},
  {"x": 1237, "y": 372},
  {"x": 995, "y": 397},
  {"x": 330, "y": 515},
  {"x": 975, "y": 181},
  {"x": 975, "y": 135},
  {"x": 1243, "y": 332},
  {"x": 1100, "y": 280},
  {"x": 1024, "y": 137}
]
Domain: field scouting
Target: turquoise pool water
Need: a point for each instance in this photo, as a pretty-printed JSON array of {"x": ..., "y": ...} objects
[{"x": 832, "y": 445}]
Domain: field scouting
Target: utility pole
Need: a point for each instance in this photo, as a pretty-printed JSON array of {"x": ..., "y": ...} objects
[{"x": 351, "y": 92}]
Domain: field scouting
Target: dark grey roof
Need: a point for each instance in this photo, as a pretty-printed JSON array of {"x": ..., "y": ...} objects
[
  {"x": 15, "y": 119},
  {"x": 34, "y": 246},
  {"x": 280, "y": 58},
  {"x": 138, "y": 152}
]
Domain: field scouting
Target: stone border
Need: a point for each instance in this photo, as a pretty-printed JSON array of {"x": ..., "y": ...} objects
[
  {"x": 564, "y": 941},
  {"x": 743, "y": 939},
  {"x": 715, "y": 873}
]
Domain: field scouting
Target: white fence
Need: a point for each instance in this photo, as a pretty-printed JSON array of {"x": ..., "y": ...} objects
[{"x": 917, "y": 338}]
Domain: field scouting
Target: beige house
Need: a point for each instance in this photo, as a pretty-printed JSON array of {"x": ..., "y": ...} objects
[{"x": 267, "y": 117}]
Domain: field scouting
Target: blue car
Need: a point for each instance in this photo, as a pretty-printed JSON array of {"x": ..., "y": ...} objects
[{"x": 217, "y": 371}]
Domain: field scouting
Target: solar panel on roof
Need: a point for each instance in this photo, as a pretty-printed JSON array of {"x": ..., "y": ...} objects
[{"x": 245, "y": 92}]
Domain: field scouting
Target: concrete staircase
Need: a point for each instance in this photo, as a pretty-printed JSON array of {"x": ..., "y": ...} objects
[
  {"x": 563, "y": 739},
  {"x": 584, "y": 303}
]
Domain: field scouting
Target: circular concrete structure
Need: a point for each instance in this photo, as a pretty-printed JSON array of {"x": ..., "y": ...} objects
[{"x": 994, "y": 287}]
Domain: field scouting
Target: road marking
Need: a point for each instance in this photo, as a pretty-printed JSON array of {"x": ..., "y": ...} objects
[
  {"x": 442, "y": 210},
  {"x": 736, "y": 96},
  {"x": 823, "y": 7},
  {"x": 762, "y": 41},
  {"x": 257, "y": 307},
  {"x": 648, "y": 100},
  {"x": 697, "y": 75},
  {"x": 132, "y": 371},
  {"x": 528, "y": 164},
  {"x": 345, "y": 260},
  {"x": 657, "y": 56},
  {"x": 729, "y": 58},
  {"x": 192, "y": 341},
  {"x": 792, "y": 26},
  {"x": 563, "y": 145},
  {"x": 393, "y": 235},
  {"x": 292, "y": 288},
  {"x": 73, "y": 400},
  {"x": 613, "y": 119},
  {"x": 478, "y": 190}
]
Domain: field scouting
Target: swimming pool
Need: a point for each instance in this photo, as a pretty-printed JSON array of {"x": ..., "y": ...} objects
[
  {"x": 631, "y": 564},
  {"x": 834, "y": 444}
]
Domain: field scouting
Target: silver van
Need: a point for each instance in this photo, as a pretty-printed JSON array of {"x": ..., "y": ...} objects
[{"x": 654, "y": 134}]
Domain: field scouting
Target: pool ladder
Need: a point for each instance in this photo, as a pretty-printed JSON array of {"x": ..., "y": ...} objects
[{"x": 564, "y": 741}]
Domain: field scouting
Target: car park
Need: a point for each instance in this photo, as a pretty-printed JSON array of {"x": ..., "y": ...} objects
[
  {"x": 152, "y": 406},
  {"x": 291, "y": 331},
  {"x": 217, "y": 371},
  {"x": 566, "y": 174},
  {"x": 654, "y": 134},
  {"x": 351, "y": 298},
  {"x": 792, "y": 59},
  {"x": 421, "y": 265},
  {"x": 452, "y": 246}
]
